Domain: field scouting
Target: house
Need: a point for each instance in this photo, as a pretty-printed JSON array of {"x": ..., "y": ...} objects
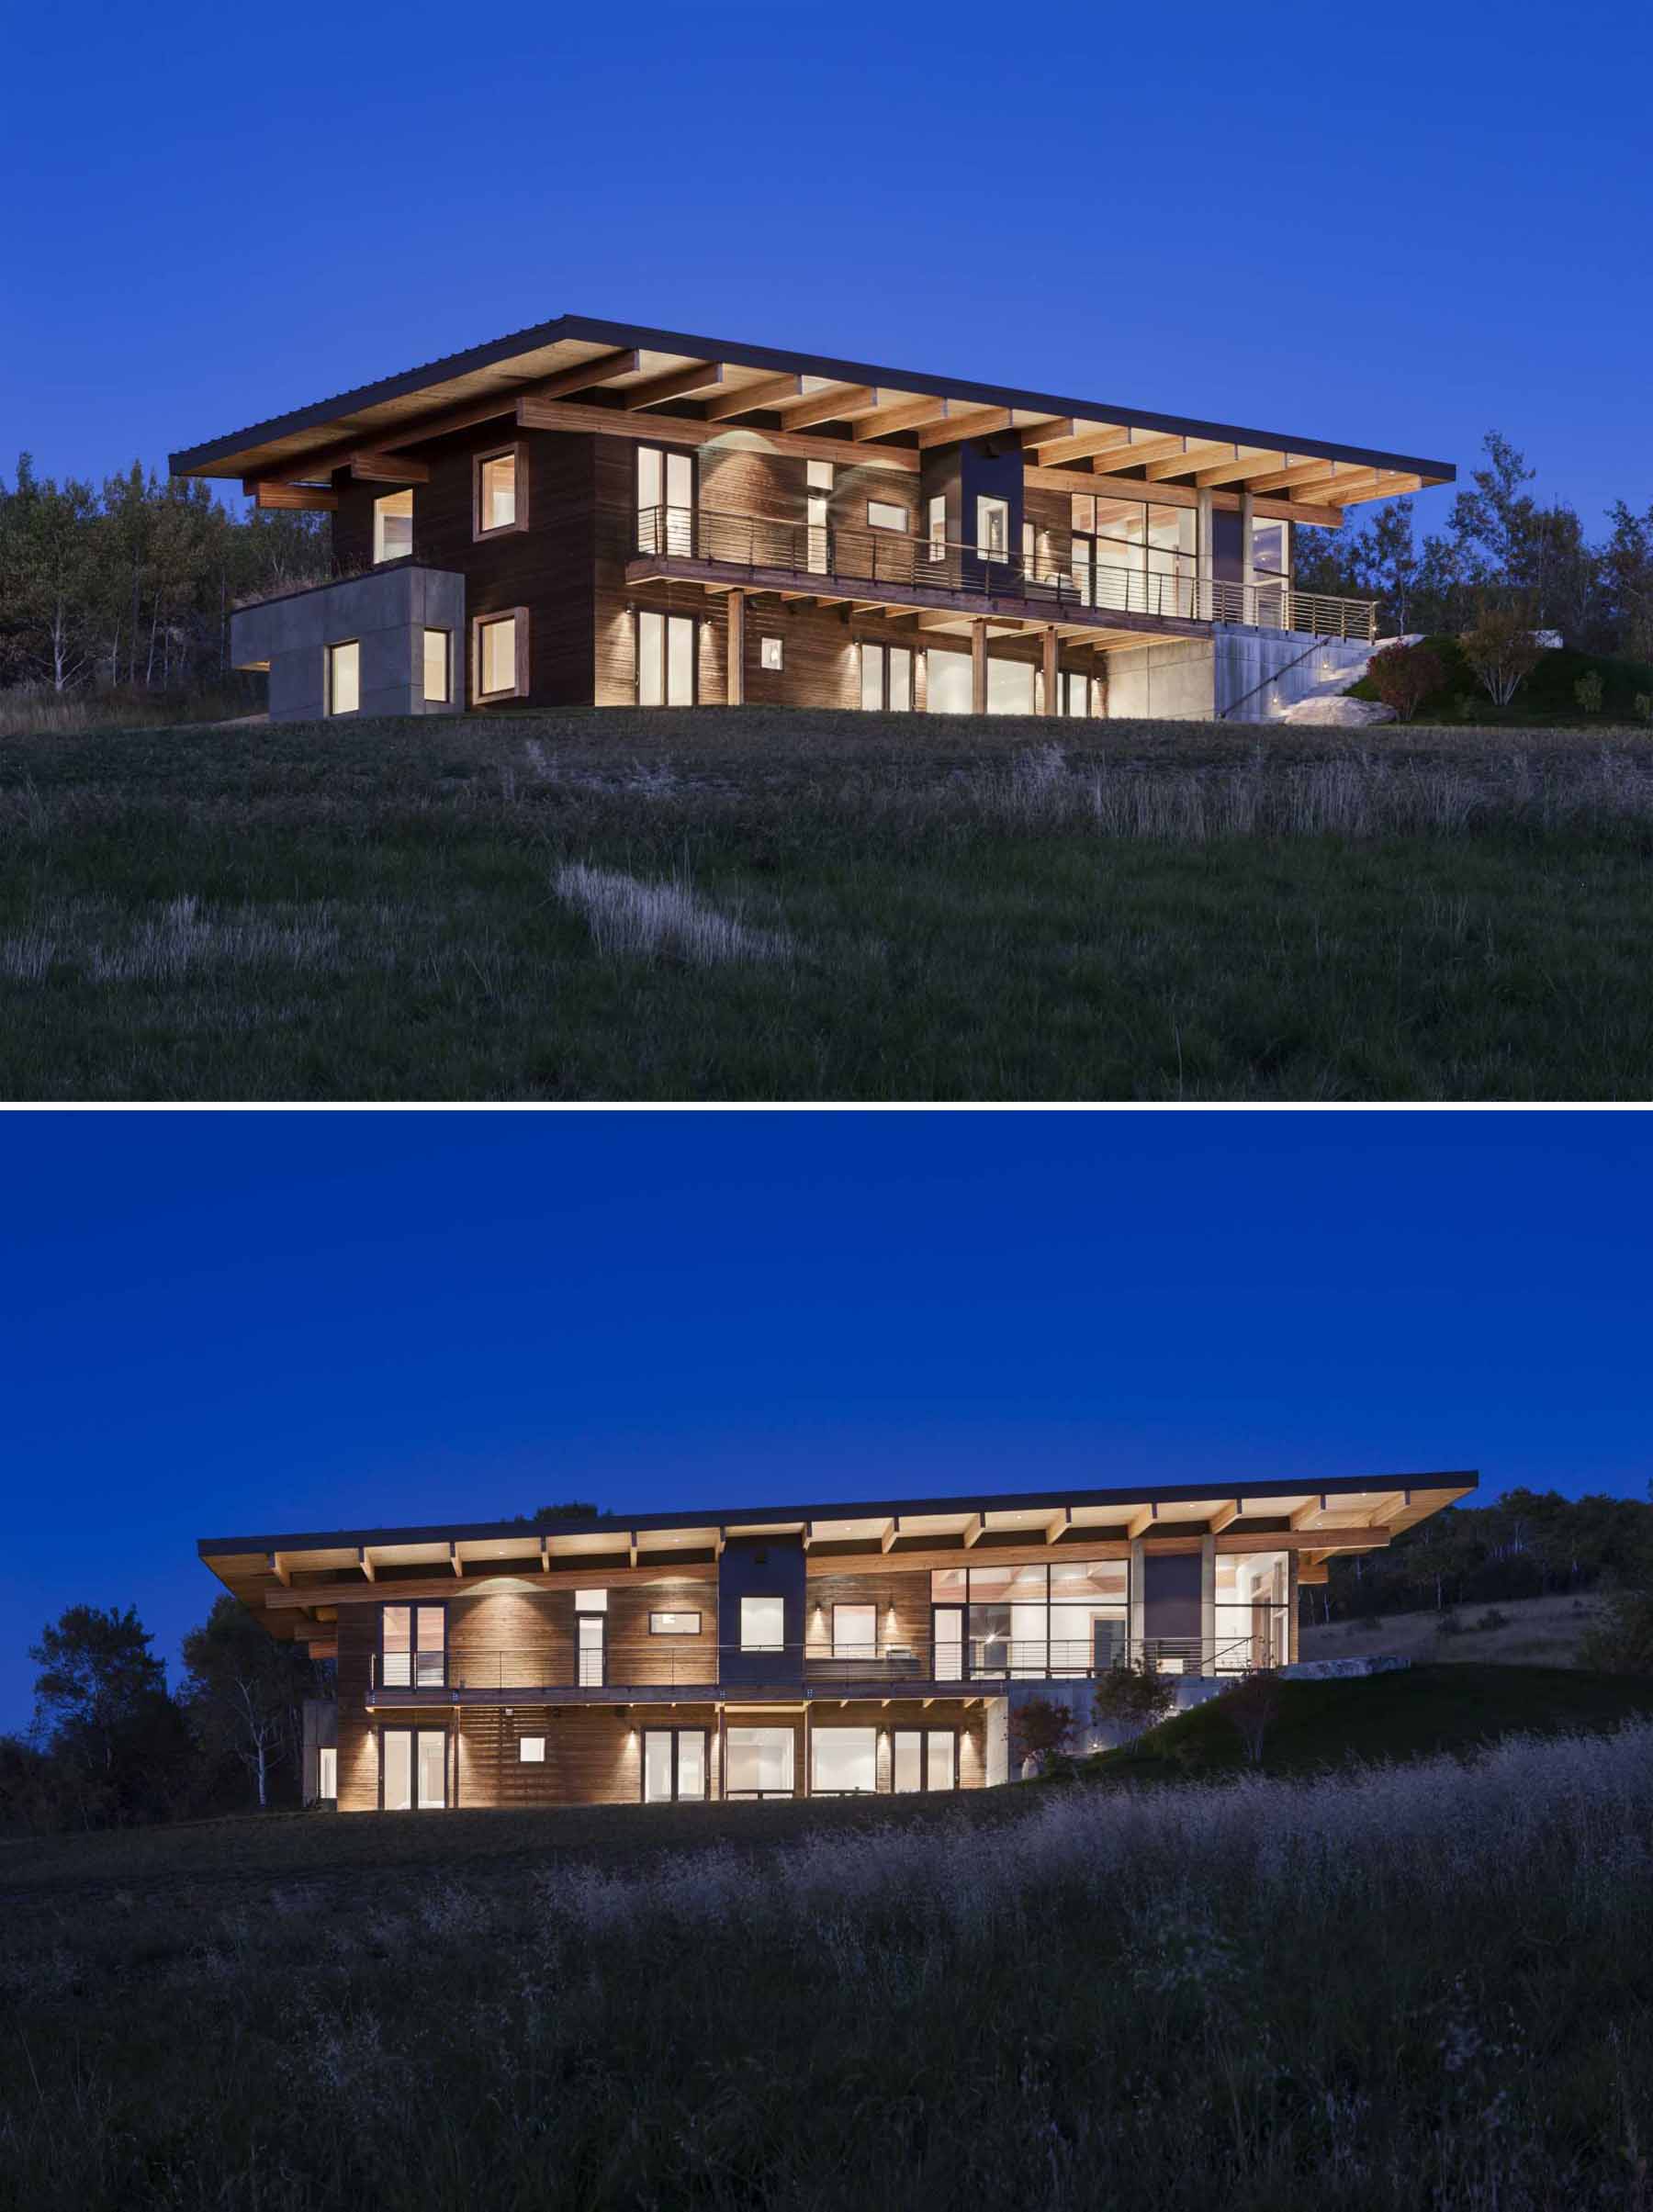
[
  {"x": 590, "y": 513},
  {"x": 783, "y": 1650}
]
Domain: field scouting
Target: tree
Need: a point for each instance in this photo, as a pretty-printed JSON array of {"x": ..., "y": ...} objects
[
  {"x": 1622, "y": 1641},
  {"x": 1389, "y": 560},
  {"x": 117, "y": 1740},
  {"x": 1501, "y": 650},
  {"x": 1134, "y": 1698},
  {"x": 1404, "y": 676},
  {"x": 245, "y": 1690},
  {"x": 47, "y": 573},
  {"x": 1251, "y": 1708},
  {"x": 1040, "y": 1729}
]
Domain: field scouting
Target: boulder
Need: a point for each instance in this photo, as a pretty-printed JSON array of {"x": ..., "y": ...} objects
[{"x": 1338, "y": 714}]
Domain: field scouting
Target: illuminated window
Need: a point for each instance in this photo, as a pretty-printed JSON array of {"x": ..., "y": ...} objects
[
  {"x": 393, "y": 526},
  {"x": 531, "y": 1750},
  {"x": 674, "y": 1766},
  {"x": 883, "y": 515},
  {"x": 590, "y": 1600},
  {"x": 763, "y": 1623},
  {"x": 1072, "y": 693},
  {"x": 937, "y": 527},
  {"x": 674, "y": 1624},
  {"x": 924, "y": 1758},
  {"x": 665, "y": 659},
  {"x": 327, "y": 1771},
  {"x": 760, "y": 1763},
  {"x": 843, "y": 1762},
  {"x": 993, "y": 529},
  {"x": 344, "y": 677},
  {"x": 664, "y": 500},
  {"x": 854, "y": 1631},
  {"x": 500, "y": 649},
  {"x": 769, "y": 653},
  {"x": 501, "y": 493},
  {"x": 412, "y": 1646},
  {"x": 887, "y": 673},
  {"x": 438, "y": 663}
]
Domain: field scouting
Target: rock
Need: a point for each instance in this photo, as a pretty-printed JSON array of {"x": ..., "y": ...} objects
[{"x": 1338, "y": 714}]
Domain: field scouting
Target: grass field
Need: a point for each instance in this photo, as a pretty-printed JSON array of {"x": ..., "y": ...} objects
[
  {"x": 1536, "y": 1632},
  {"x": 711, "y": 906},
  {"x": 1425, "y": 1984}
]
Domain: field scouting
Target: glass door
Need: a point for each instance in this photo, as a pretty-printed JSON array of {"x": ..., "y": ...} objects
[
  {"x": 946, "y": 1642},
  {"x": 593, "y": 1638},
  {"x": 817, "y": 505},
  {"x": 674, "y": 1766},
  {"x": 665, "y": 659},
  {"x": 412, "y": 1770}
]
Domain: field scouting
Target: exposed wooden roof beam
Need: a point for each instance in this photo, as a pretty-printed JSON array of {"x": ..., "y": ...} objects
[
  {"x": 1058, "y": 1528},
  {"x": 365, "y": 1561},
  {"x": 1143, "y": 450},
  {"x": 1233, "y": 472},
  {"x": 683, "y": 384},
  {"x": 842, "y": 405},
  {"x": 1223, "y": 1517},
  {"x": 454, "y": 1558},
  {"x": 1143, "y": 1517},
  {"x": 972, "y": 1530},
  {"x": 1032, "y": 435},
  {"x": 384, "y": 468},
  {"x": 1195, "y": 451},
  {"x": 753, "y": 398},
  {"x": 624, "y": 361},
  {"x": 1310, "y": 1510},
  {"x": 1103, "y": 437},
  {"x": 615, "y": 423},
  {"x": 912, "y": 414},
  {"x": 1296, "y": 474},
  {"x": 980, "y": 422},
  {"x": 292, "y": 499},
  {"x": 887, "y": 1540},
  {"x": 280, "y": 1569},
  {"x": 1378, "y": 486}
]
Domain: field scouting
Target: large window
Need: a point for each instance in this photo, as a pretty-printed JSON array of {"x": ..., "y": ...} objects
[
  {"x": 393, "y": 526},
  {"x": 760, "y": 1762},
  {"x": 1073, "y": 692},
  {"x": 499, "y": 492},
  {"x": 664, "y": 500},
  {"x": 412, "y": 1770},
  {"x": 817, "y": 509},
  {"x": 1252, "y": 1624},
  {"x": 412, "y": 1646},
  {"x": 343, "y": 670},
  {"x": 1009, "y": 687},
  {"x": 1131, "y": 553},
  {"x": 1068, "y": 1618},
  {"x": 674, "y": 1766},
  {"x": 665, "y": 659},
  {"x": 887, "y": 678},
  {"x": 501, "y": 654},
  {"x": 855, "y": 1631},
  {"x": 763, "y": 1623},
  {"x": 843, "y": 1762},
  {"x": 924, "y": 1758},
  {"x": 949, "y": 687}
]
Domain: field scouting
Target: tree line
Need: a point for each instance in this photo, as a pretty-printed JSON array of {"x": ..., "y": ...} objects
[
  {"x": 128, "y": 586},
  {"x": 113, "y": 1745}
]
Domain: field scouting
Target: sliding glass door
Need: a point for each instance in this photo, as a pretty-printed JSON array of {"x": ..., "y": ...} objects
[
  {"x": 665, "y": 659},
  {"x": 674, "y": 1766},
  {"x": 413, "y": 1769}
]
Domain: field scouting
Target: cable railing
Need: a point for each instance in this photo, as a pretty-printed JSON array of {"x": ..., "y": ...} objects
[
  {"x": 886, "y": 1667},
  {"x": 1158, "y": 583}
]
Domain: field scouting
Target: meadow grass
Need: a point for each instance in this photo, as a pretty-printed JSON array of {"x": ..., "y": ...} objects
[
  {"x": 912, "y": 908},
  {"x": 1424, "y": 1985}
]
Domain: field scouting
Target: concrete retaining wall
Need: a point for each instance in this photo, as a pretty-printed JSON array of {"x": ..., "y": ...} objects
[
  {"x": 387, "y": 612},
  {"x": 1258, "y": 674}
]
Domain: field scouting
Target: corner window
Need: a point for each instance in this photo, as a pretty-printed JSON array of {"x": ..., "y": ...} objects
[
  {"x": 499, "y": 492},
  {"x": 674, "y": 1624},
  {"x": 438, "y": 667},
  {"x": 993, "y": 529},
  {"x": 344, "y": 674},
  {"x": 763, "y": 1623},
  {"x": 881, "y": 514},
  {"x": 393, "y": 526},
  {"x": 500, "y": 650},
  {"x": 531, "y": 1750},
  {"x": 770, "y": 653}
]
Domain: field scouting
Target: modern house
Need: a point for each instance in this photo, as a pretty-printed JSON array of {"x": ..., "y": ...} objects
[
  {"x": 779, "y": 1651},
  {"x": 590, "y": 513}
]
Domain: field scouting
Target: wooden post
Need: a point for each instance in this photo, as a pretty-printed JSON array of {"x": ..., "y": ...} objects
[
  {"x": 978, "y": 667},
  {"x": 1051, "y": 706},
  {"x": 734, "y": 691}
]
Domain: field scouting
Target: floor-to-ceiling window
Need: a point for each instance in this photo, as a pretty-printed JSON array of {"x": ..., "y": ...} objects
[
  {"x": 665, "y": 659},
  {"x": 674, "y": 1766},
  {"x": 1252, "y": 1623},
  {"x": 412, "y": 1770},
  {"x": 757, "y": 1762},
  {"x": 887, "y": 673},
  {"x": 843, "y": 1762},
  {"x": 665, "y": 499},
  {"x": 412, "y": 1646},
  {"x": 1137, "y": 555},
  {"x": 924, "y": 1758},
  {"x": 1067, "y": 1618}
]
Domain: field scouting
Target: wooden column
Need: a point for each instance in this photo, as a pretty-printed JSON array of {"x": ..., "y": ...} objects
[
  {"x": 735, "y": 688},
  {"x": 1051, "y": 706},
  {"x": 978, "y": 667}
]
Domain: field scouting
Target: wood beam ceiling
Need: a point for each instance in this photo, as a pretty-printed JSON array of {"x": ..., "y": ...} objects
[
  {"x": 1101, "y": 437},
  {"x": 842, "y": 405},
  {"x": 983, "y": 422},
  {"x": 753, "y": 398},
  {"x": 1231, "y": 472},
  {"x": 1141, "y": 450},
  {"x": 682, "y": 384},
  {"x": 912, "y": 414},
  {"x": 625, "y": 361},
  {"x": 608, "y": 422},
  {"x": 1195, "y": 452}
]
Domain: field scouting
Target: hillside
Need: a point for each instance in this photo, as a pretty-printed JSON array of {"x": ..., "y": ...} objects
[
  {"x": 707, "y": 906},
  {"x": 1536, "y": 1632}
]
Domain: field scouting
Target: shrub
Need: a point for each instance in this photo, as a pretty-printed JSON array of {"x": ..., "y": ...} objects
[
  {"x": 1449, "y": 1625},
  {"x": 1404, "y": 676},
  {"x": 1041, "y": 1729},
  {"x": 1251, "y": 1708},
  {"x": 1622, "y": 1640},
  {"x": 1492, "y": 1618},
  {"x": 1502, "y": 653},
  {"x": 1134, "y": 1698},
  {"x": 1643, "y": 706},
  {"x": 1588, "y": 691}
]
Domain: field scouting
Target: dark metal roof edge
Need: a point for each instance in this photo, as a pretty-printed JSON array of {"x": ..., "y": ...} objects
[
  {"x": 850, "y": 1509},
  {"x": 198, "y": 458}
]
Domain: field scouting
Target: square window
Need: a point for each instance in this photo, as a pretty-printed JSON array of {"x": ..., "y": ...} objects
[
  {"x": 769, "y": 653},
  {"x": 344, "y": 677},
  {"x": 438, "y": 663},
  {"x": 881, "y": 514},
  {"x": 590, "y": 1600},
  {"x": 818, "y": 474},
  {"x": 393, "y": 526},
  {"x": 531, "y": 1750},
  {"x": 763, "y": 1623}
]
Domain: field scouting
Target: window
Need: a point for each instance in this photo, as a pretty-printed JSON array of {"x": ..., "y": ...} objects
[
  {"x": 769, "y": 653},
  {"x": 1270, "y": 549},
  {"x": 817, "y": 475},
  {"x": 665, "y": 659},
  {"x": 591, "y": 1637},
  {"x": 1072, "y": 693},
  {"x": 674, "y": 1766},
  {"x": 499, "y": 492},
  {"x": 412, "y": 1646},
  {"x": 1009, "y": 687},
  {"x": 763, "y": 1623},
  {"x": 344, "y": 677},
  {"x": 937, "y": 527},
  {"x": 412, "y": 1770},
  {"x": 590, "y": 1600},
  {"x": 674, "y": 1624},
  {"x": 1252, "y": 1620},
  {"x": 393, "y": 526},
  {"x": 924, "y": 1758},
  {"x": 817, "y": 508},
  {"x": 758, "y": 1762},
  {"x": 950, "y": 690},
  {"x": 500, "y": 653},
  {"x": 1029, "y": 548},
  {"x": 855, "y": 1631},
  {"x": 881, "y": 514},
  {"x": 327, "y": 1771},
  {"x": 993, "y": 529},
  {"x": 1070, "y": 1618},
  {"x": 1127, "y": 554},
  {"x": 886, "y": 674},
  {"x": 438, "y": 667},
  {"x": 664, "y": 500},
  {"x": 531, "y": 1750},
  {"x": 843, "y": 1762}
]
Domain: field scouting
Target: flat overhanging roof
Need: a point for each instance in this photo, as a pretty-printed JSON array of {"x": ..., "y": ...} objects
[{"x": 864, "y": 407}]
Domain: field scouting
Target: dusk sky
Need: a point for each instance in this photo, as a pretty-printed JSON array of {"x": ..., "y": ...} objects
[
  {"x": 1396, "y": 229},
  {"x": 245, "y": 1323}
]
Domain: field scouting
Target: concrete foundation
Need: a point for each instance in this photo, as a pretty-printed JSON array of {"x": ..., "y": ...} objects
[
  {"x": 387, "y": 612},
  {"x": 1168, "y": 682},
  {"x": 1258, "y": 674}
]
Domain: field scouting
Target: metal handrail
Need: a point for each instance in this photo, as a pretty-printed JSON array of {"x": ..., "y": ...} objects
[
  {"x": 1052, "y": 584},
  {"x": 821, "y": 1664}
]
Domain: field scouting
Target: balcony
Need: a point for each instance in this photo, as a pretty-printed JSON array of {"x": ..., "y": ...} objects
[
  {"x": 892, "y": 569},
  {"x": 948, "y": 1667}
]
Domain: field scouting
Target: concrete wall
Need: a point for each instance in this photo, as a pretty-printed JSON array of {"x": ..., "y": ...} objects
[
  {"x": 1259, "y": 673},
  {"x": 1172, "y": 682},
  {"x": 387, "y": 612}
]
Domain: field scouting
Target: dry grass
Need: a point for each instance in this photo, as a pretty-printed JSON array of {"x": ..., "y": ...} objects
[
  {"x": 1541, "y": 1631},
  {"x": 635, "y": 920}
]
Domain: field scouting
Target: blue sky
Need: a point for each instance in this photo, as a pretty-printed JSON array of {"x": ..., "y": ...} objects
[
  {"x": 1396, "y": 228},
  {"x": 220, "y": 1324}
]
